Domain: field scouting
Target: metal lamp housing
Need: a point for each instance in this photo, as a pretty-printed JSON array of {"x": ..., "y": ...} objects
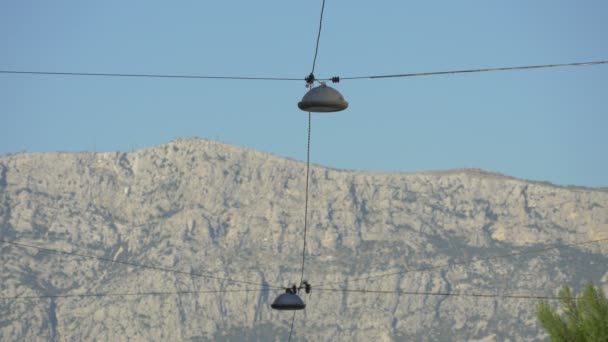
[
  {"x": 323, "y": 99},
  {"x": 288, "y": 301}
]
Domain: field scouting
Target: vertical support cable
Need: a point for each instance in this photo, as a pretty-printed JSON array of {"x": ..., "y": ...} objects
[
  {"x": 314, "y": 61},
  {"x": 306, "y": 200},
  {"x": 293, "y": 319}
]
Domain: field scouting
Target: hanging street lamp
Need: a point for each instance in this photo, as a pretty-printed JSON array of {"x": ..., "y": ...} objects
[
  {"x": 322, "y": 99},
  {"x": 290, "y": 299}
]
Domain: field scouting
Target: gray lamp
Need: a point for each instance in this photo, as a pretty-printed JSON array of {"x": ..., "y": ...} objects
[
  {"x": 288, "y": 301},
  {"x": 323, "y": 99}
]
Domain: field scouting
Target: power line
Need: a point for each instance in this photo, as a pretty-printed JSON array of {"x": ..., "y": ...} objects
[
  {"x": 306, "y": 200},
  {"x": 247, "y": 78},
  {"x": 97, "y": 74},
  {"x": 309, "y": 79},
  {"x": 445, "y": 294},
  {"x": 450, "y": 264},
  {"x": 314, "y": 61},
  {"x": 130, "y": 294},
  {"x": 293, "y": 319},
  {"x": 158, "y": 268},
  {"x": 396, "y": 292},
  {"x": 433, "y": 73},
  {"x": 308, "y": 148}
]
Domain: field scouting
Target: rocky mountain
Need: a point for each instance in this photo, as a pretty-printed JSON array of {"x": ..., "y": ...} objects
[{"x": 224, "y": 212}]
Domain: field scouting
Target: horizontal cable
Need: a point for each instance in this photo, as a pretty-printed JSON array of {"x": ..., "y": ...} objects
[
  {"x": 158, "y": 268},
  {"x": 96, "y": 74},
  {"x": 444, "y": 294},
  {"x": 131, "y": 294},
  {"x": 433, "y": 73},
  {"x": 396, "y": 292},
  {"x": 449, "y": 264},
  {"x": 248, "y": 78}
]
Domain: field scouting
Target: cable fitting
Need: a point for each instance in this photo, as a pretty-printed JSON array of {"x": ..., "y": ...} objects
[
  {"x": 307, "y": 287},
  {"x": 310, "y": 79},
  {"x": 335, "y": 79},
  {"x": 295, "y": 289}
]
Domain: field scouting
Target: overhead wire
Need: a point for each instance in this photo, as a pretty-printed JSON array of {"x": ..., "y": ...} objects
[
  {"x": 395, "y": 292},
  {"x": 305, "y": 220},
  {"x": 158, "y": 268},
  {"x": 505, "y": 295},
  {"x": 314, "y": 63},
  {"x": 293, "y": 319},
  {"x": 451, "y": 72},
  {"x": 445, "y": 294},
  {"x": 98, "y": 74},
  {"x": 250, "y": 78},
  {"x": 306, "y": 200},
  {"x": 471, "y": 261},
  {"x": 308, "y": 148},
  {"x": 129, "y": 294}
]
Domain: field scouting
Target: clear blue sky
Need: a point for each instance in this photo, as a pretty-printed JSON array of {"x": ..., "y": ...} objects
[{"x": 541, "y": 124}]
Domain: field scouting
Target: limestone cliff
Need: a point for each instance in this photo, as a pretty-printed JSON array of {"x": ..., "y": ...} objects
[{"x": 228, "y": 212}]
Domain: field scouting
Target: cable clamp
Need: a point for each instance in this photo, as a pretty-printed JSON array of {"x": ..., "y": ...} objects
[
  {"x": 310, "y": 79},
  {"x": 307, "y": 287},
  {"x": 295, "y": 289}
]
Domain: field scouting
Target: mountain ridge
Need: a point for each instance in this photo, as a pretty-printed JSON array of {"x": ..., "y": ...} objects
[
  {"x": 237, "y": 148},
  {"x": 208, "y": 208}
]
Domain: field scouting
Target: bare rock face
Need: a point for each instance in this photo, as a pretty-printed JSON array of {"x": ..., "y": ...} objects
[{"x": 221, "y": 212}]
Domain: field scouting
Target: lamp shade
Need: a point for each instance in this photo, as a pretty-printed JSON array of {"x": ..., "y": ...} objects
[
  {"x": 288, "y": 301},
  {"x": 323, "y": 99}
]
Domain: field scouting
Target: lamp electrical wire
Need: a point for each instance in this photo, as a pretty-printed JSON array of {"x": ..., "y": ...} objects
[
  {"x": 451, "y": 72},
  {"x": 248, "y": 78},
  {"x": 130, "y": 294},
  {"x": 293, "y": 319},
  {"x": 364, "y": 291},
  {"x": 97, "y": 74},
  {"x": 314, "y": 63},
  {"x": 306, "y": 200},
  {"x": 158, "y": 268},
  {"x": 446, "y": 294},
  {"x": 308, "y": 149},
  {"x": 471, "y": 261}
]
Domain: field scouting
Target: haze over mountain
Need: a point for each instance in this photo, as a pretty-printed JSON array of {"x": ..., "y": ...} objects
[{"x": 228, "y": 212}]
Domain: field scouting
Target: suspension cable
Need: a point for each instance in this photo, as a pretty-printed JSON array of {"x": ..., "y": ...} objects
[
  {"x": 158, "y": 268},
  {"x": 446, "y": 294},
  {"x": 464, "y": 262},
  {"x": 98, "y": 74},
  {"x": 332, "y": 79},
  {"x": 314, "y": 61},
  {"x": 129, "y": 294},
  {"x": 309, "y": 81},
  {"x": 293, "y": 319},
  {"x": 468, "y": 71},
  {"x": 306, "y": 200}
]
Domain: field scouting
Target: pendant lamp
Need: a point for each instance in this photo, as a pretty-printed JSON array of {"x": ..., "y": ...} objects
[
  {"x": 288, "y": 301},
  {"x": 323, "y": 99}
]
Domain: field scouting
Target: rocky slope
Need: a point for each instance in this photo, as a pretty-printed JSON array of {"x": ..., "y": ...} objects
[{"x": 213, "y": 209}]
